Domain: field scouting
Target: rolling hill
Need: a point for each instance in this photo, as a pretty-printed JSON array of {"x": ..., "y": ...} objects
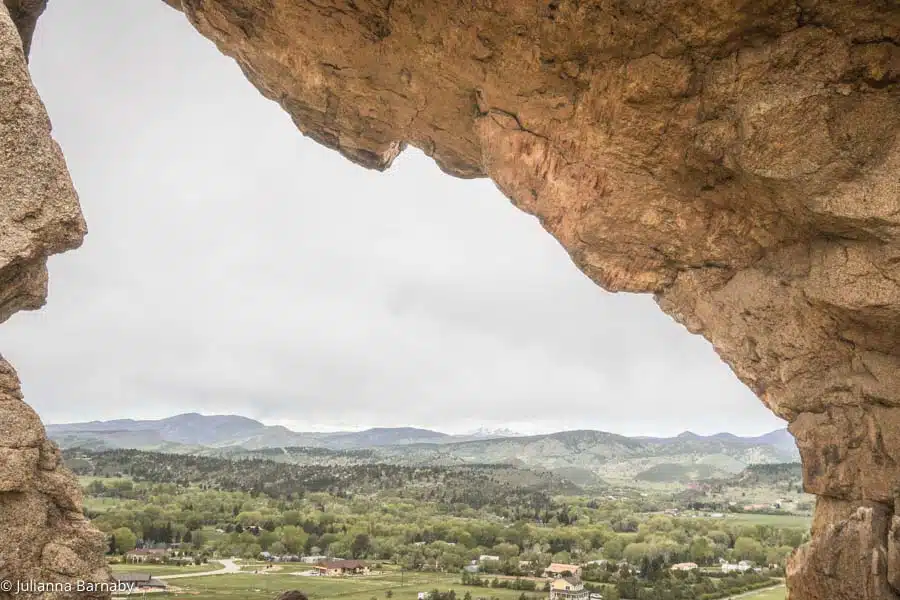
[{"x": 590, "y": 457}]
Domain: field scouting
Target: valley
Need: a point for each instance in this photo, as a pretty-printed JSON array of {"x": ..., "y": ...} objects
[{"x": 587, "y": 458}]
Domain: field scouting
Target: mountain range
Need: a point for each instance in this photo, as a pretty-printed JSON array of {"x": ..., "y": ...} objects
[{"x": 582, "y": 456}]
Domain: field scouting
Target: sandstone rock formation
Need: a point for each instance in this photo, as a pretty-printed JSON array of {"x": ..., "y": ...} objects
[
  {"x": 738, "y": 159},
  {"x": 44, "y": 537}
]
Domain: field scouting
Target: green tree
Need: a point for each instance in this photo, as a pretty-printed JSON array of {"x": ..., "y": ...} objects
[
  {"x": 778, "y": 556},
  {"x": 613, "y": 548},
  {"x": 125, "y": 540},
  {"x": 634, "y": 553},
  {"x": 746, "y": 548},
  {"x": 700, "y": 550},
  {"x": 360, "y": 546}
]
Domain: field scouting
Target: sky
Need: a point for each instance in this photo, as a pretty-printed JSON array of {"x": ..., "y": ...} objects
[{"x": 233, "y": 266}]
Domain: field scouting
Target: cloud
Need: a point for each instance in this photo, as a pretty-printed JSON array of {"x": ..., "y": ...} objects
[{"x": 234, "y": 266}]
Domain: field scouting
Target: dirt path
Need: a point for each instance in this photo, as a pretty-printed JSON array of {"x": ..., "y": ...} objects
[{"x": 228, "y": 566}]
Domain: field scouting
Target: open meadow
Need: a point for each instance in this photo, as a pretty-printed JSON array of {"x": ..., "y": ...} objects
[
  {"x": 777, "y": 593},
  {"x": 156, "y": 570},
  {"x": 266, "y": 587},
  {"x": 785, "y": 521}
]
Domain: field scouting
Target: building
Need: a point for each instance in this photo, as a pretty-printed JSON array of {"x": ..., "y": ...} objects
[
  {"x": 568, "y": 588},
  {"x": 146, "y": 555},
  {"x": 313, "y": 559},
  {"x": 471, "y": 568},
  {"x": 688, "y": 566},
  {"x": 562, "y": 569},
  {"x": 740, "y": 567},
  {"x": 139, "y": 582},
  {"x": 333, "y": 568},
  {"x": 487, "y": 557}
]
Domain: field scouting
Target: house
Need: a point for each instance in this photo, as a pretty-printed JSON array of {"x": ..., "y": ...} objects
[
  {"x": 688, "y": 566},
  {"x": 139, "y": 581},
  {"x": 568, "y": 588},
  {"x": 287, "y": 558},
  {"x": 337, "y": 567},
  {"x": 487, "y": 557},
  {"x": 146, "y": 555},
  {"x": 561, "y": 569},
  {"x": 471, "y": 568},
  {"x": 741, "y": 567},
  {"x": 313, "y": 559}
]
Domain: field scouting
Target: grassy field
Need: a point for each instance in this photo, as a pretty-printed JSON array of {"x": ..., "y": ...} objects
[
  {"x": 266, "y": 587},
  {"x": 798, "y": 521},
  {"x": 275, "y": 568},
  {"x": 770, "y": 594},
  {"x": 99, "y": 505},
  {"x": 165, "y": 569}
]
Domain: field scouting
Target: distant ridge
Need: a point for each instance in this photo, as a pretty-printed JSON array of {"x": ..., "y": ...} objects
[{"x": 583, "y": 454}]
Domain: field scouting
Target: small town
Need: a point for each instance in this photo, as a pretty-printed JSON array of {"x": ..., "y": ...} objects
[{"x": 557, "y": 581}]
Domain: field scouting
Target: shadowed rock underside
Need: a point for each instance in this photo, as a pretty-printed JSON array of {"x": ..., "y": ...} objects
[{"x": 738, "y": 159}]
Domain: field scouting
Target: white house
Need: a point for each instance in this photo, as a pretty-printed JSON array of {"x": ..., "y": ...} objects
[
  {"x": 487, "y": 557},
  {"x": 740, "y": 567}
]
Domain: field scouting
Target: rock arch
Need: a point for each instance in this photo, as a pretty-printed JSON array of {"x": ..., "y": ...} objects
[{"x": 738, "y": 159}]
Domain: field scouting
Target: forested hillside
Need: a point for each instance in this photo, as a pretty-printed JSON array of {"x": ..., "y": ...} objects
[{"x": 475, "y": 486}]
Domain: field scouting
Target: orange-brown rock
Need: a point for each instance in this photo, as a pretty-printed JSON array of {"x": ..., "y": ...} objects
[
  {"x": 44, "y": 536},
  {"x": 738, "y": 159}
]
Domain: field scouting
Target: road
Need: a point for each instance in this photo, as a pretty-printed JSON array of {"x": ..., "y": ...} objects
[
  {"x": 753, "y": 593},
  {"x": 228, "y": 566}
]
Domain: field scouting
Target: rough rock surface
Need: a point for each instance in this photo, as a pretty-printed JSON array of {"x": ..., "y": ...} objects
[
  {"x": 738, "y": 159},
  {"x": 44, "y": 536},
  {"x": 24, "y": 14},
  {"x": 39, "y": 210}
]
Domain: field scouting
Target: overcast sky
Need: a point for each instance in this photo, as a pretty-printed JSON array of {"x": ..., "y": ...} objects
[{"x": 234, "y": 266}]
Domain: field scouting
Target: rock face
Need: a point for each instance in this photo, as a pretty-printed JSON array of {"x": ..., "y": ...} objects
[
  {"x": 44, "y": 536},
  {"x": 738, "y": 159}
]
